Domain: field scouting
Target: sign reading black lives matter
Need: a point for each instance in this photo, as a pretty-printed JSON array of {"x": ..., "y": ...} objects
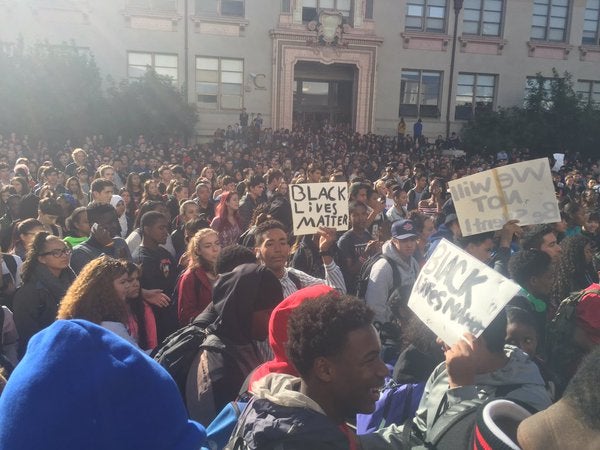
[
  {"x": 487, "y": 200},
  {"x": 455, "y": 293},
  {"x": 317, "y": 205}
]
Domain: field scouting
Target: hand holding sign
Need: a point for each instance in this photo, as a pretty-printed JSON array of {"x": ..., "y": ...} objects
[{"x": 456, "y": 293}]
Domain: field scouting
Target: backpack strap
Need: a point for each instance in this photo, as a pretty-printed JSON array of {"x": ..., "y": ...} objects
[
  {"x": 295, "y": 279},
  {"x": 397, "y": 278}
]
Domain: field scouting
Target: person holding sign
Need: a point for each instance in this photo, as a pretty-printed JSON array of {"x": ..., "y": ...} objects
[
  {"x": 474, "y": 368},
  {"x": 273, "y": 250}
]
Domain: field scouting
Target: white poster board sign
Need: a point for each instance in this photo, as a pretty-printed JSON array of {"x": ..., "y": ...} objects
[
  {"x": 317, "y": 205},
  {"x": 456, "y": 293},
  {"x": 487, "y": 200},
  {"x": 560, "y": 161}
]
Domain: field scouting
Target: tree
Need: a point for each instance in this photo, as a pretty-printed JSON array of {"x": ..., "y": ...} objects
[
  {"x": 54, "y": 93},
  {"x": 150, "y": 106},
  {"x": 51, "y": 92},
  {"x": 553, "y": 120}
]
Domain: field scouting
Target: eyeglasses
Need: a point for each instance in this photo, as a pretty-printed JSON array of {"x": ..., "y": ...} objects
[{"x": 57, "y": 253}]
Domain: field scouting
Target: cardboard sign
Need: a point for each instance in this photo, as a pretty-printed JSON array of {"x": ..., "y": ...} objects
[
  {"x": 455, "y": 293},
  {"x": 317, "y": 205},
  {"x": 487, "y": 200},
  {"x": 560, "y": 161}
]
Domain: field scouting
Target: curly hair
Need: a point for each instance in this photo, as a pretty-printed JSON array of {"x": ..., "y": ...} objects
[
  {"x": 38, "y": 246},
  {"x": 320, "y": 328},
  {"x": 196, "y": 259},
  {"x": 570, "y": 268},
  {"x": 92, "y": 295}
]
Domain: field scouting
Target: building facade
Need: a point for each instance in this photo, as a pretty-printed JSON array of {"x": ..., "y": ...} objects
[{"x": 363, "y": 62}]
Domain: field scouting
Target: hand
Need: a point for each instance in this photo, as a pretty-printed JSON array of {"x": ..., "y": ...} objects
[
  {"x": 510, "y": 229},
  {"x": 378, "y": 207},
  {"x": 101, "y": 235},
  {"x": 327, "y": 238},
  {"x": 156, "y": 297},
  {"x": 461, "y": 360}
]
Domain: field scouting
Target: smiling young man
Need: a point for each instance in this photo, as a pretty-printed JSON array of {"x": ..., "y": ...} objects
[
  {"x": 273, "y": 250},
  {"x": 335, "y": 349}
]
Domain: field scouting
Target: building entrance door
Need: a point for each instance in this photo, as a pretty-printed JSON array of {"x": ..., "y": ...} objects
[{"x": 324, "y": 94}]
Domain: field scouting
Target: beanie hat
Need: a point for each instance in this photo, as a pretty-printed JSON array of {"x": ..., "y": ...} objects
[{"x": 80, "y": 386}]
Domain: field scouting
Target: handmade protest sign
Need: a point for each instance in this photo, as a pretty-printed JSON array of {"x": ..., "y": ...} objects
[
  {"x": 317, "y": 205},
  {"x": 487, "y": 200},
  {"x": 455, "y": 293}
]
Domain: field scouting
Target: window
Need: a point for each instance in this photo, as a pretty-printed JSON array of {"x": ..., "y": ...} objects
[
  {"x": 426, "y": 15},
  {"x": 591, "y": 23},
  {"x": 589, "y": 91},
  {"x": 310, "y": 8},
  {"x": 474, "y": 93},
  {"x": 227, "y": 8},
  {"x": 219, "y": 83},
  {"x": 549, "y": 21},
  {"x": 286, "y": 6},
  {"x": 483, "y": 17},
  {"x": 163, "y": 64},
  {"x": 153, "y": 5},
  {"x": 369, "y": 9},
  {"x": 420, "y": 93}
]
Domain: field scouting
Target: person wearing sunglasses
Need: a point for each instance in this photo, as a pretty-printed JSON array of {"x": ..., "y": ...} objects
[{"x": 46, "y": 277}]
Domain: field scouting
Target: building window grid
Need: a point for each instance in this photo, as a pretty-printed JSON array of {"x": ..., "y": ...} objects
[
  {"x": 483, "y": 17},
  {"x": 224, "y": 8},
  {"x": 589, "y": 91},
  {"x": 420, "y": 92},
  {"x": 550, "y": 20},
  {"x": 426, "y": 15},
  {"x": 591, "y": 23},
  {"x": 310, "y": 8},
  {"x": 475, "y": 92},
  {"x": 219, "y": 83},
  {"x": 163, "y": 64},
  {"x": 153, "y": 5}
]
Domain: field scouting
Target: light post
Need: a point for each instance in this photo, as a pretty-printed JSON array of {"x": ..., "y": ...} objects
[{"x": 458, "y": 4}]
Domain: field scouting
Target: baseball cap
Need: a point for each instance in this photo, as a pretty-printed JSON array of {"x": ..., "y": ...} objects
[{"x": 403, "y": 229}]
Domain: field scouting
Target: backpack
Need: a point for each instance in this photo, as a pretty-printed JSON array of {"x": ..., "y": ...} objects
[
  {"x": 562, "y": 353},
  {"x": 365, "y": 272},
  {"x": 397, "y": 404},
  {"x": 7, "y": 294},
  {"x": 297, "y": 282},
  {"x": 177, "y": 352},
  {"x": 453, "y": 429},
  {"x": 220, "y": 429}
]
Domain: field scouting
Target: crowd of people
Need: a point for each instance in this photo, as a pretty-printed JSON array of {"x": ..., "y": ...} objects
[{"x": 108, "y": 248}]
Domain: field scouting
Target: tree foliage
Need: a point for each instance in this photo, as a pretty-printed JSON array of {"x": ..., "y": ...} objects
[
  {"x": 53, "y": 93},
  {"x": 554, "y": 119}
]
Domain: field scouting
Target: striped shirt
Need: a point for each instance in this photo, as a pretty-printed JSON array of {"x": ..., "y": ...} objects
[{"x": 333, "y": 278}]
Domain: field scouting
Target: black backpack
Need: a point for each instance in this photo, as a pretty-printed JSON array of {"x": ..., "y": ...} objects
[
  {"x": 453, "y": 429},
  {"x": 178, "y": 350},
  {"x": 365, "y": 272},
  {"x": 561, "y": 351}
]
